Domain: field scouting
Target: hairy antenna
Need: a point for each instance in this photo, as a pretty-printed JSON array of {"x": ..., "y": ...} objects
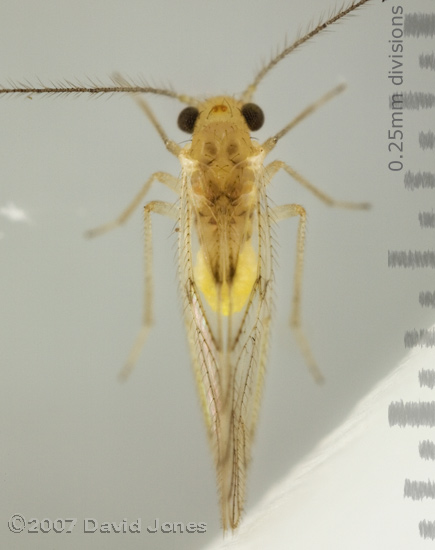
[
  {"x": 339, "y": 14},
  {"x": 66, "y": 87},
  {"x": 120, "y": 85}
]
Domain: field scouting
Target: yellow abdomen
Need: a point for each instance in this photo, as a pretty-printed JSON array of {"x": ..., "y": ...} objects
[{"x": 231, "y": 297}]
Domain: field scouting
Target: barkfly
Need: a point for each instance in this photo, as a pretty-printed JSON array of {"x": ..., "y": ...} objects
[{"x": 223, "y": 221}]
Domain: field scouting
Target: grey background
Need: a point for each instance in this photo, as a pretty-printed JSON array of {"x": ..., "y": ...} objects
[{"x": 75, "y": 443}]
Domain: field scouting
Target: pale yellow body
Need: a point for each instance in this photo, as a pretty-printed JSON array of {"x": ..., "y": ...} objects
[
  {"x": 224, "y": 231},
  {"x": 224, "y": 195}
]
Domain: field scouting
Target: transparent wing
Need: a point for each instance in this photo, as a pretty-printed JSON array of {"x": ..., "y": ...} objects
[{"x": 228, "y": 354}]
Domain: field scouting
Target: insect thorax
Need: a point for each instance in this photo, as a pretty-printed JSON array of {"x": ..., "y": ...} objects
[{"x": 224, "y": 192}]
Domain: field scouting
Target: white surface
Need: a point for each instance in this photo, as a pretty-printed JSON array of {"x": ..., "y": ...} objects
[
  {"x": 74, "y": 442},
  {"x": 349, "y": 492}
]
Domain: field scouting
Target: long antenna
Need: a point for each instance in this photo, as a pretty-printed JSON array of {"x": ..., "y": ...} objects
[
  {"x": 339, "y": 14},
  {"x": 122, "y": 86},
  {"x": 66, "y": 87}
]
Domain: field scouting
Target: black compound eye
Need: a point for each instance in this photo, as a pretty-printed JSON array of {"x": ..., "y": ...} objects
[
  {"x": 253, "y": 115},
  {"x": 187, "y": 118}
]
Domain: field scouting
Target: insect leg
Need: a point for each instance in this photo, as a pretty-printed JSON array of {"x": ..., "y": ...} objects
[
  {"x": 167, "y": 179},
  {"x": 170, "y": 145},
  {"x": 270, "y": 143},
  {"x": 276, "y": 165},
  {"x": 166, "y": 209},
  {"x": 281, "y": 213}
]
